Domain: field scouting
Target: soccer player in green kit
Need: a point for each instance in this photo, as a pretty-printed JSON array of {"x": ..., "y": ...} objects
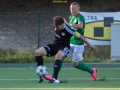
[{"x": 77, "y": 22}]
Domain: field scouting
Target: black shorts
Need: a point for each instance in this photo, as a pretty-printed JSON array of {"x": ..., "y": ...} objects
[{"x": 53, "y": 49}]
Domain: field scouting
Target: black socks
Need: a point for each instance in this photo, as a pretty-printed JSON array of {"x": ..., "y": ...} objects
[
  {"x": 39, "y": 60},
  {"x": 56, "y": 68}
]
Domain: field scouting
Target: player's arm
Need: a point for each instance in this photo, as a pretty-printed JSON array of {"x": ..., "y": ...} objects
[
  {"x": 80, "y": 23},
  {"x": 78, "y": 26},
  {"x": 78, "y": 35},
  {"x": 66, "y": 21}
]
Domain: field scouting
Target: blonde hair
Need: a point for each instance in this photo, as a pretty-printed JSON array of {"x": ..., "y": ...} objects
[{"x": 76, "y": 3}]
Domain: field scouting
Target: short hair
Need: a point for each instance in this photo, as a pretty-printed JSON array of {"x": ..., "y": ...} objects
[
  {"x": 58, "y": 20},
  {"x": 76, "y": 3}
]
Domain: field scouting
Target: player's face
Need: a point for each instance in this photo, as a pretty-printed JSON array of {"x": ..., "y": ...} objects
[
  {"x": 74, "y": 10},
  {"x": 59, "y": 27}
]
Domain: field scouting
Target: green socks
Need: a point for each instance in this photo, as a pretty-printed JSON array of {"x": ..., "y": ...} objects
[
  {"x": 81, "y": 66},
  {"x": 84, "y": 67}
]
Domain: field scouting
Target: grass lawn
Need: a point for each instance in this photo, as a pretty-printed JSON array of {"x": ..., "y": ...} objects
[{"x": 26, "y": 79}]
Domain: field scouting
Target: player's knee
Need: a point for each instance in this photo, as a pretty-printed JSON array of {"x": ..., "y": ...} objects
[
  {"x": 58, "y": 58},
  {"x": 59, "y": 55},
  {"x": 75, "y": 64},
  {"x": 39, "y": 52}
]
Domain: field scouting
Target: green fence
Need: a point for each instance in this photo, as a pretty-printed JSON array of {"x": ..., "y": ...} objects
[
  {"x": 26, "y": 30},
  {"x": 30, "y": 30},
  {"x": 18, "y": 30}
]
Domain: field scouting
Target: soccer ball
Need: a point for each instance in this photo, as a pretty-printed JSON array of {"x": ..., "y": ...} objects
[{"x": 41, "y": 70}]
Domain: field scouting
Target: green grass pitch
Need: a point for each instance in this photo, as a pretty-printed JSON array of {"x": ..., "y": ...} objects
[{"x": 26, "y": 79}]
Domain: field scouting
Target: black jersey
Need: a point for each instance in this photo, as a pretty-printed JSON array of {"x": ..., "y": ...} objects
[{"x": 62, "y": 37}]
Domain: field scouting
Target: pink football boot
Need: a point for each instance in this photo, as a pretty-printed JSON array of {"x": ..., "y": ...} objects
[{"x": 94, "y": 74}]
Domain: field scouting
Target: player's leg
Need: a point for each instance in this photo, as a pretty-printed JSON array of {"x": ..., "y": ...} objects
[
  {"x": 49, "y": 77},
  {"x": 56, "y": 68},
  {"x": 48, "y": 50},
  {"x": 82, "y": 66},
  {"x": 61, "y": 63},
  {"x": 38, "y": 55},
  {"x": 77, "y": 57},
  {"x": 39, "y": 59},
  {"x": 58, "y": 57},
  {"x": 68, "y": 55}
]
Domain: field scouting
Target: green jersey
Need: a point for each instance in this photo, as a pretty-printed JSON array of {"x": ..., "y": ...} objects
[{"x": 74, "y": 20}]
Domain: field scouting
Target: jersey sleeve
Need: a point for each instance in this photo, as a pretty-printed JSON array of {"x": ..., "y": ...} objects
[
  {"x": 71, "y": 31},
  {"x": 69, "y": 18},
  {"x": 80, "y": 18}
]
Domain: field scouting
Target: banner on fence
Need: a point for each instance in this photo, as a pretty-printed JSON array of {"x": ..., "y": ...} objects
[{"x": 98, "y": 26}]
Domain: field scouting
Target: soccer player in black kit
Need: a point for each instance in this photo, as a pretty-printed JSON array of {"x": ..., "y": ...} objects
[{"x": 60, "y": 47}]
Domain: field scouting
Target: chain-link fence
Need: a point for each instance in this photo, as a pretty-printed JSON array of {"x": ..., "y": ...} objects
[
  {"x": 46, "y": 26},
  {"x": 20, "y": 30}
]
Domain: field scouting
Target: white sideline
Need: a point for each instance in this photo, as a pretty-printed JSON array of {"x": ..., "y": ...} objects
[
  {"x": 59, "y": 88},
  {"x": 52, "y": 68},
  {"x": 60, "y": 79}
]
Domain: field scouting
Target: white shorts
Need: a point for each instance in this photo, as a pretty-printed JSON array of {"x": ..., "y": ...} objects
[{"x": 76, "y": 51}]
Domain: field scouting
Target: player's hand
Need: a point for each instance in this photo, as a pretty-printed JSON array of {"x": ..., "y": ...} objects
[
  {"x": 93, "y": 48},
  {"x": 65, "y": 21}
]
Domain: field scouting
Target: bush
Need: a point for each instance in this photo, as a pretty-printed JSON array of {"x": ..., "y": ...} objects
[
  {"x": 101, "y": 56},
  {"x": 11, "y": 56}
]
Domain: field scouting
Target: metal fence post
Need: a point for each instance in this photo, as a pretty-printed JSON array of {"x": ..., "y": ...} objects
[{"x": 38, "y": 19}]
